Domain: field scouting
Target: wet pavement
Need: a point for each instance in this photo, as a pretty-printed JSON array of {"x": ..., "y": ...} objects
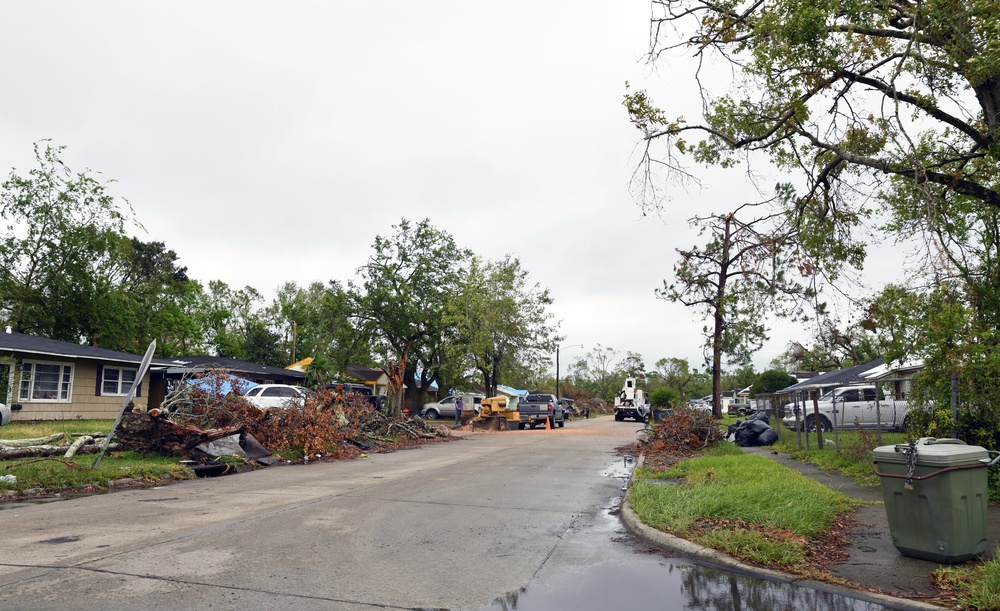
[
  {"x": 599, "y": 565},
  {"x": 874, "y": 562}
]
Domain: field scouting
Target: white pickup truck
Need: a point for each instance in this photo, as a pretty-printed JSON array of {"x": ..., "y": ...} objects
[{"x": 848, "y": 407}]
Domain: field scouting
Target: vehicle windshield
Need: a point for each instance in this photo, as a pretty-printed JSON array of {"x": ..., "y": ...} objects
[{"x": 827, "y": 396}]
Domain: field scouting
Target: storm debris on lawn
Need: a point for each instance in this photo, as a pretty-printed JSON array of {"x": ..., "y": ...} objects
[
  {"x": 683, "y": 432},
  {"x": 193, "y": 415}
]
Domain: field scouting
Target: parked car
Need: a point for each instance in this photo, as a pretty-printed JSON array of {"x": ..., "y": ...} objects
[
  {"x": 445, "y": 408},
  {"x": 267, "y": 396},
  {"x": 739, "y": 409},
  {"x": 376, "y": 401},
  {"x": 4, "y": 414},
  {"x": 843, "y": 407}
]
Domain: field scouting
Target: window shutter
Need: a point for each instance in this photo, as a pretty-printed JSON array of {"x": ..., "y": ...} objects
[{"x": 100, "y": 379}]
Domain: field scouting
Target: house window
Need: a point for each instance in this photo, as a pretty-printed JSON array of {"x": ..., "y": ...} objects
[
  {"x": 117, "y": 380},
  {"x": 45, "y": 381}
]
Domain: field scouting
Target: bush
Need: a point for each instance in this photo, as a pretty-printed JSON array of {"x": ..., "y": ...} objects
[{"x": 665, "y": 397}]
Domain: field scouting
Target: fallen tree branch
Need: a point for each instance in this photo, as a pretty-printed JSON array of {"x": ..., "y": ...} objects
[
  {"x": 33, "y": 451},
  {"x": 79, "y": 443},
  {"x": 35, "y": 441}
]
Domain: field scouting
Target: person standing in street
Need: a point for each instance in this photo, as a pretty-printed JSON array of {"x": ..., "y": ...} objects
[{"x": 458, "y": 411}]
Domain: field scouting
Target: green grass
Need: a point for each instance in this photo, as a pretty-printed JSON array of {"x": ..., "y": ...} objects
[
  {"x": 854, "y": 458},
  {"x": 728, "y": 485},
  {"x": 976, "y": 587},
  {"x": 752, "y": 547},
  {"x": 41, "y": 428},
  {"x": 76, "y": 474}
]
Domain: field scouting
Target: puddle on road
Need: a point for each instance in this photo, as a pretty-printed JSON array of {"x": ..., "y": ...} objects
[
  {"x": 632, "y": 576},
  {"x": 621, "y": 468},
  {"x": 670, "y": 585}
]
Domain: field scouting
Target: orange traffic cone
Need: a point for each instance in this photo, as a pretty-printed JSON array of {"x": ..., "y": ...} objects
[{"x": 548, "y": 426}]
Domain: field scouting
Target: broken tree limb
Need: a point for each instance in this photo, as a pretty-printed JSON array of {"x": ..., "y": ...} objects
[
  {"x": 38, "y": 451},
  {"x": 35, "y": 441},
  {"x": 79, "y": 443}
]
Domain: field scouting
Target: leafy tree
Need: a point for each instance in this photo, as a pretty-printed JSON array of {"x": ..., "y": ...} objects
[
  {"x": 316, "y": 320},
  {"x": 141, "y": 294},
  {"x": 62, "y": 229},
  {"x": 237, "y": 326},
  {"x": 633, "y": 366},
  {"x": 403, "y": 299},
  {"x": 771, "y": 381},
  {"x": 665, "y": 397},
  {"x": 677, "y": 374},
  {"x": 596, "y": 372},
  {"x": 502, "y": 320},
  {"x": 832, "y": 348},
  {"x": 843, "y": 95},
  {"x": 734, "y": 281}
]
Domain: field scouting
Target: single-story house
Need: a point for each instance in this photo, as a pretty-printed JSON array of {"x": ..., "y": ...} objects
[
  {"x": 48, "y": 379},
  {"x": 376, "y": 379}
]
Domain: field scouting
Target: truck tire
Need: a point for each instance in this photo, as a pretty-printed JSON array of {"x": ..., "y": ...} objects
[
  {"x": 618, "y": 417},
  {"x": 823, "y": 422},
  {"x": 562, "y": 423},
  {"x": 520, "y": 426},
  {"x": 431, "y": 414}
]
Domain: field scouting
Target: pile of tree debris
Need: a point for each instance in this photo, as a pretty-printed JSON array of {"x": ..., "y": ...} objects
[{"x": 195, "y": 415}]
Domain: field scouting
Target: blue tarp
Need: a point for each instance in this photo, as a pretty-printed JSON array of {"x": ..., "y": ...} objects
[{"x": 225, "y": 384}]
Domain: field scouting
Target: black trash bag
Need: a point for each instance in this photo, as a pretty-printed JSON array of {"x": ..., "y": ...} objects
[{"x": 747, "y": 433}]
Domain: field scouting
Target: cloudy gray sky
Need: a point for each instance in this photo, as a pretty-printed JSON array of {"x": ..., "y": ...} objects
[{"x": 268, "y": 142}]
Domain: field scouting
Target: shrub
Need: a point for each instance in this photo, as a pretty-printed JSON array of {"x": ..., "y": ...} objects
[{"x": 665, "y": 397}]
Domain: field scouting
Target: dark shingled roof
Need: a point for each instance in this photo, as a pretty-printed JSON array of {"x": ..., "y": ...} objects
[
  {"x": 204, "y": 362},
  {"x": 43, "y": 346}
]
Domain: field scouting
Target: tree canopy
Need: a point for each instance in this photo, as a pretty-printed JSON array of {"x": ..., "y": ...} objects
[{"x": 844, "y": 94}]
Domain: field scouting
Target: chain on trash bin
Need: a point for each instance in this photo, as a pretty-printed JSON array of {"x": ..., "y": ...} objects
[{"x": 911, "y": 464}]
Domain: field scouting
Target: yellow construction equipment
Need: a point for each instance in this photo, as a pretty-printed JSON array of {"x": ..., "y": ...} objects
[{"x": 494, "y": 415}]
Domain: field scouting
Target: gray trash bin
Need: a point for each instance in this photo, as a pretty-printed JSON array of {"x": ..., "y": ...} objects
[{"x": 935, "y": 495}]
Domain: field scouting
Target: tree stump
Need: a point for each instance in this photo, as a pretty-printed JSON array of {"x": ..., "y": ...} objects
[{"x": 141, "y": 432}]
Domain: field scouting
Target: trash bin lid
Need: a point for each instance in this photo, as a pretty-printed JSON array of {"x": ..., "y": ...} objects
[{"x": 933, "y": 452}]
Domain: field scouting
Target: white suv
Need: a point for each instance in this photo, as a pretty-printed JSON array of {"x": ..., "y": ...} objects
[
  {"x": 267, "y": 396},
  {"x": 848, "y": 407}
]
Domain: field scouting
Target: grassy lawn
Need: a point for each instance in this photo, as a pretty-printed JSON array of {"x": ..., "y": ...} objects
[
  {"x": 748, "y": 506},
  {"x": 855, "y": 456},
  {"x": 57, "y": 474}
]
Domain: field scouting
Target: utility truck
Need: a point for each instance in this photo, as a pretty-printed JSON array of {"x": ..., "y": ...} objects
[{"x": 631, "y": 403}]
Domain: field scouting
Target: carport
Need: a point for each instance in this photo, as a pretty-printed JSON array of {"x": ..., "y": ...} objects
[{"x": 813, "y": 387}]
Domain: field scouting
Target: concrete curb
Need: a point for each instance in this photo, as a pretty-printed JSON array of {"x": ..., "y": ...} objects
[{"x": 718, "y": 559}]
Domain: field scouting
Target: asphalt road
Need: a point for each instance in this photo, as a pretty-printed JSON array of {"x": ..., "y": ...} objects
[{"x": 448, "y": 525}]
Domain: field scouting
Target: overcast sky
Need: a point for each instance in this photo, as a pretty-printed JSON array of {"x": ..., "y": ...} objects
[{"x": 268, "y": 142}]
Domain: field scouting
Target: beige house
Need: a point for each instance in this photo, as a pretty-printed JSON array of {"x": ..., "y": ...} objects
[{"x": 47, "y": 379}]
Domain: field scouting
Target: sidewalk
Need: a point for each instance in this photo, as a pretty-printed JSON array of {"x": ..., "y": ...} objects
[{"x": 874, "y": 562}]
